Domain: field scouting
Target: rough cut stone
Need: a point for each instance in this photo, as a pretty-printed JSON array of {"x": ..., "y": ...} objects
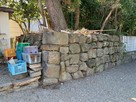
[
  {"x": 74, "y": 58},
  {"x": 94, "y": 37},
  {"x": 90, "y": 71},
  {"x": 84, "y": 47},
  {"x": 62, "y": 66},
  {"x": 65, "y": 77},
  {"x": 99, "y": 44},
  {"x": 121, "y": 38},
  {"x": 83, "y": 56},
  {"x": 77, "y": 75},
  {"x": 100, "y": 52},
  {"x": 64, "y": 57},
  {"x": 106, "y": 58},
  {"x": 111, "y": 50},
  {"x": 34, "y": 74},
  {"x": 50, "y": 48},
  {"x": 110, "y": 38},
  {"x": 72, "y": 68},
  {"x": 115, "y": 49},
  {"x": 91, "y": 63},
  {"x": 49, "y": 81},
  {"x": 100, "y": 37},
  {"x": 105, "y": 37},
  {"x": 55, "y": 38},
  {"x": 83, "y": 66},
  {"x": 105, "y": 43},
  {"x": 89, "y": 39},
  {"x": 106, "y": 51},
  {"x": 93, "y": 45},
  {"x": 54, "y": 57},
  {"x": 74, "y": 48},
  {"x": 73, "y": 38},
  {"x": 45, "y": 55},
  {"x": 52, "y": 71},
  {"x": 100, "y": 68},
  {"x": 106, "y": 66},
  {"x": 92, "y": 53},
  {"x": 115, "y": 38},
  {"x": 82, "y": 39},
  {"x": 111, "y": 44},
  {"x": 116, "y": 44},
  {"x": 115, "y": 57},
  {"x": 99, "y": 61},
  {"x": 67, "y": 63},
  {"x": 64, "y": 50},
  {"x": 118, "y": 62}
]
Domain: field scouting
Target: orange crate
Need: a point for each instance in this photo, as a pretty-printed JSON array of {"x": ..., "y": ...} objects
[{"x": 9, "y": 52}]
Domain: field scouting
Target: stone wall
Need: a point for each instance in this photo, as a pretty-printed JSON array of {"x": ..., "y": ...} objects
[
  {"x": 73, "y": 56},
  {"x": 129, "y": 57}
]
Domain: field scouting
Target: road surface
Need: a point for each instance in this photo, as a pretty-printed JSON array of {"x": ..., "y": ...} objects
[{"x": 113, "y": 85}]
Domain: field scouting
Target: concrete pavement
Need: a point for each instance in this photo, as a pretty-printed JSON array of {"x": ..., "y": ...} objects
[{"x": 113, "y": 85}]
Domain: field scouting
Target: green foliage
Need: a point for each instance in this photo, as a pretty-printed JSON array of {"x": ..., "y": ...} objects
[
  {"x": 94, "y": 12},
  {"x": 90, "y": 14},
  {"x": 129, "y": 16},
  {"x": 24, "y": 12}
]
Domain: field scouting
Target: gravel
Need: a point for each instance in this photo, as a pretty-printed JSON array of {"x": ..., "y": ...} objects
[{"x": 113, "y": 85}]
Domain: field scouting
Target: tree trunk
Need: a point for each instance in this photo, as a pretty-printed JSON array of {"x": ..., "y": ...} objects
[
  {"x": 56, "y": 15},
  {"x": 115, "y": 5},
  {"x": 77, "y": 18},
  {"x": 115, "y": 20},
  {"x": 29, "y": 26},
  {"x": 42, "y": 13}
]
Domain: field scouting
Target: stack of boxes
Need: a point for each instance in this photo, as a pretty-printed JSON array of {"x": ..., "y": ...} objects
[
  {"x": 33, "y": 58},
  {"x": 28, "y": 60}
]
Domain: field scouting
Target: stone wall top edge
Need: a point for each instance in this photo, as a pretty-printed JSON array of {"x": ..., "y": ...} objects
[{"x": 80, "y": 34}]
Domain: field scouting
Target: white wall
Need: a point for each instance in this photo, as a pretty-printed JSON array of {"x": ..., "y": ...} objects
[
  {"x": 130, "y": 43},
  {"x": 4, "y": 28}
]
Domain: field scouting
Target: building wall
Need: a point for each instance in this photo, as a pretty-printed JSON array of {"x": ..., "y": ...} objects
[
  {"x": 4, "y": 31},
  {"x": 15, "y": 30}
]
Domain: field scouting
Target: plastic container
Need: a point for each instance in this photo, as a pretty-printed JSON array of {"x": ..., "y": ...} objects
[
  {"x": 32, "y": 58},
  {"x": 31, "y": 49},
  {"x": 20, "y": 46},
  {"x": 9, "y": 53},
  {"x": 18, "y": 68},
  {"x": 19, "y": 55}
]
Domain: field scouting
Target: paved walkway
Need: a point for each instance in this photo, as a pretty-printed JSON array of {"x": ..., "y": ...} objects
[{"x": 114, "y": 85}]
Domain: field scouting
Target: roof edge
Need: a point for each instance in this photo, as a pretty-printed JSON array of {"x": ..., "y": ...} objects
[{"x": 5, "y": 9}]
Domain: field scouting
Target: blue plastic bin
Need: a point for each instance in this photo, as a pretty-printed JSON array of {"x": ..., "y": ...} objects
[
  {"x": 19, "y": 55},
  {"x": 18, "y": 68}
]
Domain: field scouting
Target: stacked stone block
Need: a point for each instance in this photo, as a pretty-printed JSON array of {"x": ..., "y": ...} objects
[{"x": 74, "y": 56}]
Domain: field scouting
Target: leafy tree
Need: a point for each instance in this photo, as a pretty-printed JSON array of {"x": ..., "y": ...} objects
[
  {"x": 24, "y": 12},
  {"x": 71, "y": 9},
  {"x": 128, "y": 20}
]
